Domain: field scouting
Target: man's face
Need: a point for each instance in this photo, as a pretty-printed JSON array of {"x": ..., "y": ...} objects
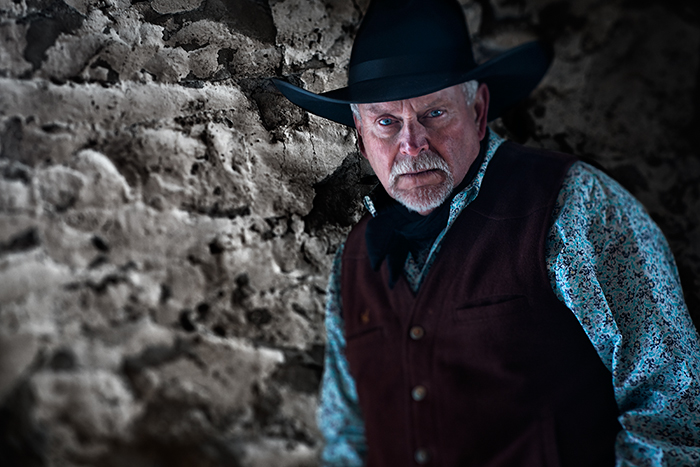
[{"x": 421, "y": 148}]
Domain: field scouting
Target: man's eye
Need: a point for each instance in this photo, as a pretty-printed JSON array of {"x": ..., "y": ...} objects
[
  {"x": 435, "y": 113},
  {"x": 385, "y": 121}
]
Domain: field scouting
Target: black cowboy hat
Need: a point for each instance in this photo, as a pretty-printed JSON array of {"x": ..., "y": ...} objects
[{"x": 409, "y": 48}]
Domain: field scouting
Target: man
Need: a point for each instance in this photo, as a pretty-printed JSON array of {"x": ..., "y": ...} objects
[{"x": 500, "y": 306}]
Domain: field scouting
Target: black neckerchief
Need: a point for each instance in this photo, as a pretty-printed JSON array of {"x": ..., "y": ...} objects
[{"x": 396, "y": 230}]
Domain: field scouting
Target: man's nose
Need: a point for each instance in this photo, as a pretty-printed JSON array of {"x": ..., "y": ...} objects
[{"x": 414, "y": 138}]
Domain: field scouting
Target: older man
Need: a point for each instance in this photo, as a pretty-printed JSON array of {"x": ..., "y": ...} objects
[{"x": 499, "y": 306}]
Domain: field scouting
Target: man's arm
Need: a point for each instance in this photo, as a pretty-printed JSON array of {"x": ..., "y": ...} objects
[
  {"x": 339, "y": 416},
  {"x": 611, "y": 265}
]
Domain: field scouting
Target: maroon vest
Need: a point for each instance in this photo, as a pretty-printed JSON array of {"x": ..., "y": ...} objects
[{"x": 484, "y": 366}]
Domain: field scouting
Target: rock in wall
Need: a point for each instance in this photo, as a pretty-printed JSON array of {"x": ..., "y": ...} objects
[{"x": 167, "y": 218}]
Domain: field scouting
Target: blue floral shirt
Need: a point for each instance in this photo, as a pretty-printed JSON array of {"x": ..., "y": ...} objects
[{"x": 611, "y": 265}]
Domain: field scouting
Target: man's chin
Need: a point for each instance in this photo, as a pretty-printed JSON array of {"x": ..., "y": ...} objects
[{"x": 423, "y": 200}]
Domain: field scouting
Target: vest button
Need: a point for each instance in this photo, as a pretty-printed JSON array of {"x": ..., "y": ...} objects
[
  {"x": 418, "y": 393},
  {"x": 416, "y": 333},
  {"x": 421, "y": 456}
]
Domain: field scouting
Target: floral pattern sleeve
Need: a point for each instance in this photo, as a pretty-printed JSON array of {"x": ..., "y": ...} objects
[
  {"x": 339, "y": 416},
  {"x": 611, "y": 265}
]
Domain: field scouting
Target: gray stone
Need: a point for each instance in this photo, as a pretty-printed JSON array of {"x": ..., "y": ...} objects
[
  {"x": 60, "y": 186},
  {"x": 16, "y": 354},
  {"x": 12, "y": 43},
  {"x": 168, "y": 6}
]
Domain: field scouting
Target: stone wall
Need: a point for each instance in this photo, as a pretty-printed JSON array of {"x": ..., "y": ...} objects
[{"x": 167, "y": 218}]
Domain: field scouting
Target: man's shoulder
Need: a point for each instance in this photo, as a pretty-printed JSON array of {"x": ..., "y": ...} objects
[
  {"x": 531, "y": 157},
  {"x": 518, "y": 165},
  {"x": 355, "y": 244},
  {"x": 521, "y": 179}
]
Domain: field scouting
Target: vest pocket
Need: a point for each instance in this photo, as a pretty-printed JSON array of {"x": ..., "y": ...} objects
[
  {"x": 491, "y": 308},
  {"x": 363, "y": 351},
  {"x": 364, "y": 335}
]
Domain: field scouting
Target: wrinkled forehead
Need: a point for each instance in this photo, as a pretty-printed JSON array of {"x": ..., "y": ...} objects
[{"x": 415, "y": 104}]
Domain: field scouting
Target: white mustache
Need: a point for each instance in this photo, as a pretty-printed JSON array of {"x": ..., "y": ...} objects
[{"x": 426, "y": 160}]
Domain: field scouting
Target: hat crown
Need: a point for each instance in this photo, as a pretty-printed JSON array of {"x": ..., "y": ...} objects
[
  {"x": 410, "y": 48},
  {"x": 407, "y": 37}
]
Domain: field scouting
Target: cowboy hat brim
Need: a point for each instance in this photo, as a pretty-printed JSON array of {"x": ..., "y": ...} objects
[{"x": 511, "y": 77}]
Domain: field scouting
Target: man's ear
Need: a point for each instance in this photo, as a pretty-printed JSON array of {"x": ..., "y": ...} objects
[
  {"x": 360, "y": 143},
  {"x": 481, "y": 109}
]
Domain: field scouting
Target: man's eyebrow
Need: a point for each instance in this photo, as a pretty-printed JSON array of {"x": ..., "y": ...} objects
[
  {"x": 377, "y": 109},
  {"x": 435, "y": 103},
  {"x": 374, "y": 109}
]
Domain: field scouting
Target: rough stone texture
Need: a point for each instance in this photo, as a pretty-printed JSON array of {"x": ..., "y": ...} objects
[{"x": 167, "y": 218}]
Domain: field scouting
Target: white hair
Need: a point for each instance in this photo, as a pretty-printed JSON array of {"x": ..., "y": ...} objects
[
  {"x": 356, "y": 111},
  {"x": 468, "y": 87}
]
